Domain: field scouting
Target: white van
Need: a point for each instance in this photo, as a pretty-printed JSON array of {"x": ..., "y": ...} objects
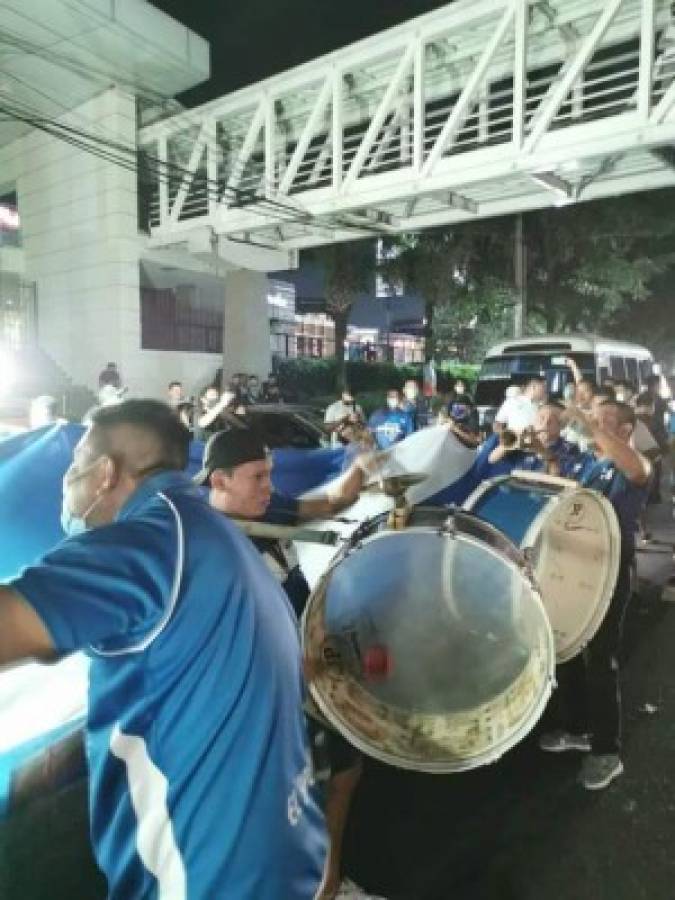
[{"x": 518, "y": 360}]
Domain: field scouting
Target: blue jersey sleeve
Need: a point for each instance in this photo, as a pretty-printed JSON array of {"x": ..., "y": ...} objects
[{"x": 109, "y": 587}]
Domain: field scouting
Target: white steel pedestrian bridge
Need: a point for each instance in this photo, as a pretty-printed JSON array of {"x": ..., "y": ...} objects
[{"x": 481, "y": 108}]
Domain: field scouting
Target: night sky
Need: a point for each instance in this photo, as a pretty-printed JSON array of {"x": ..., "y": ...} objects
[{"x": 252, "y": 39}]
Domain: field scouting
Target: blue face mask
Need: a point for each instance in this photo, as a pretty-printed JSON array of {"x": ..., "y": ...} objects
[{"x": 72, "y": 524}]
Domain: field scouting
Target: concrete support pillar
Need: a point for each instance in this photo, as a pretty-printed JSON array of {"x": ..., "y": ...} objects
[
  {"x": 246, "y": 338},
  {"x": 80, "y": 238}
]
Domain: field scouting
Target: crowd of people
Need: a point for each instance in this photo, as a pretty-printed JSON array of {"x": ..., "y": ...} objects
[
  {"x": 201, "y": 778},
  {"x": 606, "y": 437},
  {"x": 405, "y": 412},
  {"x": 205, "y": 414}
]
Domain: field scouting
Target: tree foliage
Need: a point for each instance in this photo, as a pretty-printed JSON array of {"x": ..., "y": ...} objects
[
  {"x": 459, "y": 272},
  {"x": 349, "y": 271},
  {"x": 590, "y": 267},
  {"x": 588, "y": 262},
  {"x": 444, "y": 266},
  {"x": 464, "y": 328}
]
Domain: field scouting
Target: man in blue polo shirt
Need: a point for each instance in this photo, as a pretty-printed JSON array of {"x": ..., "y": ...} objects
[
  {"x": 237, "y": 468},
  {"x": 590, "y": 682},
  {"x": 199, "y": 769},
  {"x": 389, "y": 426},
  {"x": 540, "y": 449}
]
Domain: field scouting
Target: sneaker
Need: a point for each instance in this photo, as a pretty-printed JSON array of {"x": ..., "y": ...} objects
[
  {"x": 597, "y": 771},
  {"x": 560, "y": 741}
]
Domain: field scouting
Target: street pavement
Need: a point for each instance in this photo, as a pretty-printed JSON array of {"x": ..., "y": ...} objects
[{"x": 520, "y": 829}]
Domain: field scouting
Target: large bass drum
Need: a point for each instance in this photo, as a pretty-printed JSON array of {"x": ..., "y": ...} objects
[
  {"x": 571, "y": 537},
  {"x": 429, "y": 647}
]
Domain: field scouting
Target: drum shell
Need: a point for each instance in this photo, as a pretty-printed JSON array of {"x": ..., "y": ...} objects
[
  {"x": 572, "y": 540},
  {"x": 413, "y": 711}
]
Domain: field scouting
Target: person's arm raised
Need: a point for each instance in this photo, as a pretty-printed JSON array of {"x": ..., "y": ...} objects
[
  {"x": 574, "y": 368},
  {"x": 633, "y": 464},
  {"x": 208, "y": 417},
  {"x": 345, "y": 491}
]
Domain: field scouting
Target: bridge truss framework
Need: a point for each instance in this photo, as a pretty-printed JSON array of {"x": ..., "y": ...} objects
[{"x": 476, "y": 110}]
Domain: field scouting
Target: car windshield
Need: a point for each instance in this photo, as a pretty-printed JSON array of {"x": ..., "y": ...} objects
[{"x": 283, "y": 429}]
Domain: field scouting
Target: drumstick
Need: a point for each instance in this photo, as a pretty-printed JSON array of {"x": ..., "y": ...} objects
[
  {"x": 543, "y": 478},
  {"x": 287, "y": 532}
]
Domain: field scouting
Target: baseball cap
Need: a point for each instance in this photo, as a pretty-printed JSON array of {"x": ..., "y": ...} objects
[
  {"x": 460, "y": 411},
  {"x": 227, "y": 449}
]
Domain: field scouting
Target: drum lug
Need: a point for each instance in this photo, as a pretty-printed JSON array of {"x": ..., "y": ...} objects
[{"x": 529, "y": 561}]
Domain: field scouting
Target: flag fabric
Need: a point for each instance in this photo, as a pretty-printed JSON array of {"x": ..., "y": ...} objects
[
  {"x": 448, "y": 468},
  {"x": 32, "y": 466},
  {"x": 37, "y": 702}
]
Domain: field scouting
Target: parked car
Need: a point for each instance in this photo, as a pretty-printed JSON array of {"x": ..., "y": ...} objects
[{"x": 283, "y": 425}]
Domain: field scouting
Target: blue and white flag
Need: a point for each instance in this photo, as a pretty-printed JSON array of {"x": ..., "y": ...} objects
[
  {"x": 39, "y": 703},
  {"x": 449, "y": 470}
]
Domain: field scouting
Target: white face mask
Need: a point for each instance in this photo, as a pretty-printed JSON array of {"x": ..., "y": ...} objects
[
  {"x": 392, "y": 402},
  {"x": 71, "y": 523},
  {"x": 411, "y": 393}
]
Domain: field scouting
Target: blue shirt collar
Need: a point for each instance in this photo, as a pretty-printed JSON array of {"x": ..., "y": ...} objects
[{"x": 153, "y": 485}]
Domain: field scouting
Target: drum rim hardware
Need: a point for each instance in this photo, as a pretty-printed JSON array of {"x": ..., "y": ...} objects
[
  {"x": 533, "y": 693},
  {"x": 560, "y": 490}
]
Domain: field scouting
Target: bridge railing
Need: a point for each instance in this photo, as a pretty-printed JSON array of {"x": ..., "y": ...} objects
[{"x": 401, "y": 116}]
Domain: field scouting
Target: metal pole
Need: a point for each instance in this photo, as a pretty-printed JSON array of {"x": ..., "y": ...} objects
[{"x": 520, "y": 269}]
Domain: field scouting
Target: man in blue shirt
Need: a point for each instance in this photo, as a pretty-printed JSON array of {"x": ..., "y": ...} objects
[
  {"x": 590, "y": 682},
  {"x": 237, "y": 468},
  {"x": 199, "y": 768},
  {"x": 389, "y": 426},
  {"x": 540, "y": 449}
]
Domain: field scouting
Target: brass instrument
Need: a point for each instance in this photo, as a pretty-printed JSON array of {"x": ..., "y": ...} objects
[
  {"x": 395, "y": 486},
  {"x": 511, "y": 441},
  {"x": 354, "y": 430}
]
